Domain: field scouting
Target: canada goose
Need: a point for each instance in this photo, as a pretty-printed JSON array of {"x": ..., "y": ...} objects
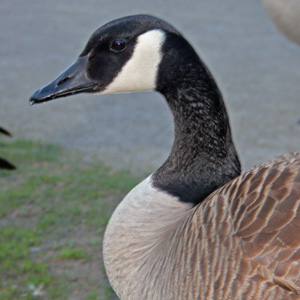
[
  {"x": 285, "y": 14},
  {"x": 194, "y": 229},
  {"x": 5, "y": 164}
]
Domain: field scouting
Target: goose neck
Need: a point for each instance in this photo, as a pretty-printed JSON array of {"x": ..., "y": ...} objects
[{"x": 203, "y": 156}]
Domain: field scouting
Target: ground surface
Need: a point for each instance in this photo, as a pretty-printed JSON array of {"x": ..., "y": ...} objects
[
  {"x": 53, "y": 211},
  {"x": 256, "y": 69}
]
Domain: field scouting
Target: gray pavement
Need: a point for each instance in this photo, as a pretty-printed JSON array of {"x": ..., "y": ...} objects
[{"x": 256, "y": 68}]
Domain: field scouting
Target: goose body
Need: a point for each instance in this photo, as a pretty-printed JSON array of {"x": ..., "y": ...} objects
[
  {"x": 195, "y": 228},
  {"x": 285, "y": 14}
]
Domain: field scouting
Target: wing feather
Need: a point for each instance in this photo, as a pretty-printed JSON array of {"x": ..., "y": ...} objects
[{"x": 266, "y": 219}]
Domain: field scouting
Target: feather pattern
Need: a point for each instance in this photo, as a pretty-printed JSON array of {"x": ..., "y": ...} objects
[{"x": 240, "y": 243}]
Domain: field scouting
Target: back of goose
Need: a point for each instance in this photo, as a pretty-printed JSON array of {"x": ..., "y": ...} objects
[
  {"x": 285, "y": 14},
  {"x": 195, "y": 228}
]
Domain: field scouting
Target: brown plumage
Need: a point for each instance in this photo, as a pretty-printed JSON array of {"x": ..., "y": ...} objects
[{"x": 251, "y": 232}]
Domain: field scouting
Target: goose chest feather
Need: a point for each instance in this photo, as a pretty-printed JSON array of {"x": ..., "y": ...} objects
[{"x": 195, "y": 228}]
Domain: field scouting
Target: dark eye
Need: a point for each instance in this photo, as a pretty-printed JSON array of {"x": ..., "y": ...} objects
[{"x": 118, "y": 45}]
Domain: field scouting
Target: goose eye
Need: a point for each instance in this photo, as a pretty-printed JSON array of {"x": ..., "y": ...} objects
[{"x": 118, "y": 45}]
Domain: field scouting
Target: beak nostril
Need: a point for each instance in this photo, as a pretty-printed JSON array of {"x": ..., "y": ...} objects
[{"x": 63, "y": 81}]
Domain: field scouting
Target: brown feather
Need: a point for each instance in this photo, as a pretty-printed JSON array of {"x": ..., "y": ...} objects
[{"x": 264, "y": 204}]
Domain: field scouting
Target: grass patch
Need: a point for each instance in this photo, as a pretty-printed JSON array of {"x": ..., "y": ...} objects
[
  {"x": 53, "y": 211},
  {"x": 72, "y": 253}
]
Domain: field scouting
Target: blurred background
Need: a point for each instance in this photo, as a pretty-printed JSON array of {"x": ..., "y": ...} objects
[{"x": 257, "y": 70}]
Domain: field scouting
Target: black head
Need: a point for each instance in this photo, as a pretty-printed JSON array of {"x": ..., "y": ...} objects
[{"x": 121, "y": 56}]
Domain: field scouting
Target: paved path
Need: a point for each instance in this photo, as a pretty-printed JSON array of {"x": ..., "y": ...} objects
[{"x": 257, "y": 70}]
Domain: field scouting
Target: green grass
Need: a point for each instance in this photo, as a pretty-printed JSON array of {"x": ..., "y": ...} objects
[
  {"x": 72, "y": 253},
  {"x": 53, "y": 212}
]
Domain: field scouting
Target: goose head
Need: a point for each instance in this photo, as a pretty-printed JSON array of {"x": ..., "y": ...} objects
[
  {"x": 121, "y": 56},
  {"x": 144, "y": 53}
]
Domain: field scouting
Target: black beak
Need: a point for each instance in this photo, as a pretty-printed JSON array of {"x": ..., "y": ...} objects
[{"x": 72, "y": 81}]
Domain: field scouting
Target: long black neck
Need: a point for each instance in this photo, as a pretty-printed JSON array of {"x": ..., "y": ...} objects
[{"x": 203, "y": 157}]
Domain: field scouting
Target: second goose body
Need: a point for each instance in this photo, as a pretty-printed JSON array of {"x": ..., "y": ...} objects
[
  {"x": 194, "y": 229},
  {"x": 285, "y": 14}
]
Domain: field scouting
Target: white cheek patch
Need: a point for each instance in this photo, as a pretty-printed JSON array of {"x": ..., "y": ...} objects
[{"x": 140, "y": 71}]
